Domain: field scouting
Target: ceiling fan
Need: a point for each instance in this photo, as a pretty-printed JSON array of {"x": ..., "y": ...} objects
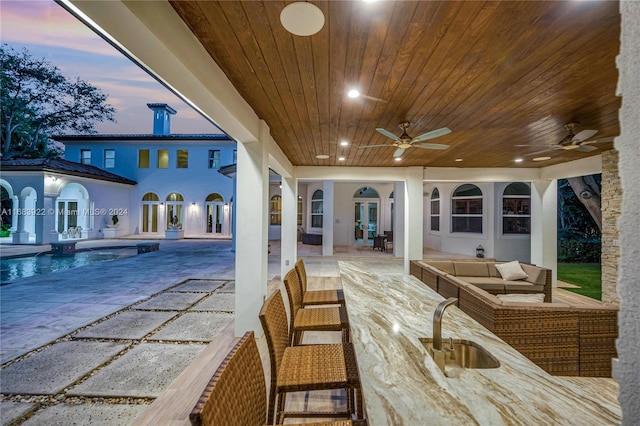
[
  {"x": 573, "y": 141},
  {"x": 405, "y": 141}
]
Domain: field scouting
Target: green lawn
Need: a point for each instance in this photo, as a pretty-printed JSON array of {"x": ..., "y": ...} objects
[{"x": 586, "y": 275}]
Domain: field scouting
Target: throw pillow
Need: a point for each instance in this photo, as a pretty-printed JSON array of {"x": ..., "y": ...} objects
[
  {"x": 528, "y": 298},
  {"x": 511, "y": 271}
]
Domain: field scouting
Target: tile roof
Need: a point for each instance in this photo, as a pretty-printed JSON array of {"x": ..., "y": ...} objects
[{"x": 62, "y": 166}]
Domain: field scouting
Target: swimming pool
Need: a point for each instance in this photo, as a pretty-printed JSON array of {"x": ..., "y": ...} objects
[{"x": 22, "y": 267}]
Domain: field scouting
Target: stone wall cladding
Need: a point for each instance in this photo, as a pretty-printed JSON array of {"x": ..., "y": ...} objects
[{"x": 611, "y": 197}]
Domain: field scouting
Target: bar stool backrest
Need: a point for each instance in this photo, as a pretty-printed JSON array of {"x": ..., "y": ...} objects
[{"x": 236, "y": 395}]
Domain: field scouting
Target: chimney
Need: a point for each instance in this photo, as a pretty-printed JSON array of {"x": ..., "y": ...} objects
[{"x": 161, "y": 118}]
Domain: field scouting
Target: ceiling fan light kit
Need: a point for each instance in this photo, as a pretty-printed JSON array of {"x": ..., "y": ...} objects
[{"x": 574, "y": 141}]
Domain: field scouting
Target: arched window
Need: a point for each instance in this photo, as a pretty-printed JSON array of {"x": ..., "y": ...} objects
[
  {"x": 214, "y": 198},
  {"x": 317, "y": 209},
  {"x": 150, "y": 196},
  {"x": 276, "y": 210},
  {"x": 174, "y": 210},
  {"x": 435, "y": 210},
  {"x": 466, "y": 209},
  {"x": 516, "y": 209}
]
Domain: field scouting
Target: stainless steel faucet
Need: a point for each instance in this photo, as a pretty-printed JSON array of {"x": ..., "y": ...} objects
[
  {"x": 439, "y": 355},
  {"x": 437, "y": 321}
]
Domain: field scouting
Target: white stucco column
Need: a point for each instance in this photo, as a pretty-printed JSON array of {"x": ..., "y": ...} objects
[
  {"x": 544, "y": 225},
  {"x": 413, "y": 216},
  {"x": 327, "y": 217},
  {"x": 46, "y": 224},
  {"x": 251, "y": 206},
  {"x": 21, "y": 236},
  {"x": 289, "y": 228},
  {"x": 398, "y": 220}
]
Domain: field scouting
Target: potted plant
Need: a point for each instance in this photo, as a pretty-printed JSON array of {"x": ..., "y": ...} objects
[{"x": 114, "y": 219}]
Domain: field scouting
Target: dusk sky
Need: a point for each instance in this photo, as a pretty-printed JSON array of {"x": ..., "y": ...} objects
[{"x": 48, "y": 31}]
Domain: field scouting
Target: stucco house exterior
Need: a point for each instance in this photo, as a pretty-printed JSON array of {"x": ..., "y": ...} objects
[{"x": 159, "y": 185}]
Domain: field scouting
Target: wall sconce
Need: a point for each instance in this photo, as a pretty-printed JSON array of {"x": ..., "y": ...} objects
[
  {"x": 161, "y": 204},
  {"x": 480, "y": 251},
  {"x": 193, "y": 204}
]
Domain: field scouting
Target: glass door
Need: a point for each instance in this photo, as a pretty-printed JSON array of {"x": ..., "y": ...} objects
[
  {"x": 366, "y": 221},
  {"x": 214, "y": 218}
]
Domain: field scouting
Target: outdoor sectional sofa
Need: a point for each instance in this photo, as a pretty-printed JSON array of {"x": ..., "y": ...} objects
[{"x": 563, "y": 339}]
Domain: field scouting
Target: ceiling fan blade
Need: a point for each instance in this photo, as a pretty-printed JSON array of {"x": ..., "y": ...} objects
[
  {"x": 432, "y": 134},
  {"x": 431, "y": 145},
  {"x": 387, "y": 134},
  {"x": 586, "y": 148},
  {"x": 398, "y": 152},
  {"x": 597, "y": 141},
  {"x": 376, "y": 146},
  {"x": 583, "y": 136}
]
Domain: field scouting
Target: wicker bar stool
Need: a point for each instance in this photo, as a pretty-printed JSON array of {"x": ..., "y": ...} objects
[
  {"x": 236, "y": 394},
  {"x": 306, "y": 368},
  {"x": 329, "y": 318},
  {"x": 316, "y": 297}
]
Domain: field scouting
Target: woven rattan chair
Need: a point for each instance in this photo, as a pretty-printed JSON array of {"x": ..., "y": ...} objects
[
  {"x": 316, "y": 297},
  {"x": 236, "y": 395},
  {"x": 306, "y": 368},
  {"x": 329, "y": 318}
]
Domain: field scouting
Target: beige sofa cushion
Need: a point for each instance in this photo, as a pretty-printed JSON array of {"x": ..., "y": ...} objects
[
  {"x": 471, "y": 269},
  {"x": 522, "y": 286},
  {"x": 536, "y": 274},
  {"x": 493, "y": 272},
  {"x": 485, "y": 283},
  {"x": 444, "y": 265}
]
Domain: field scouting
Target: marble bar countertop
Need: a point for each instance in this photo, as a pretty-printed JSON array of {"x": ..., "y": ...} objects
[{"x": 403, "y": 386}]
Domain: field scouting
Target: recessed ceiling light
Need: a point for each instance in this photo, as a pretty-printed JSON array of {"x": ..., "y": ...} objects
[
  {"x": 322, "y": 156},
  {"x": 302, "y": 18},
  {"x": 398, "y": 158},
  {"x": 353, "y": 93},
  {"x": 458, "y": 159},
  {"x": 541, "y": 158},
  {"x": 519, "y": 160},
  {"x": 341, "y": 159},
  {"x": 344, "y": 143}
]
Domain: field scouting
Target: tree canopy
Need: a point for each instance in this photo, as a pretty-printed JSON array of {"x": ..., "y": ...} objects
[{"x": 37, "y": 101}]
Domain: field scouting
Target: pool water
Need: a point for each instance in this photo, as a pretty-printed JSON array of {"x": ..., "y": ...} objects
[{"x": 22, "y": 267}]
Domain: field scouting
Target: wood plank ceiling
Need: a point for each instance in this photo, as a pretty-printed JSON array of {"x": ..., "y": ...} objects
[{"x": 498, "y": 74}]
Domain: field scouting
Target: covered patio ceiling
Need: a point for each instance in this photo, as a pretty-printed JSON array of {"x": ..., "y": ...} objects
[{"x": 498, "y": 74}]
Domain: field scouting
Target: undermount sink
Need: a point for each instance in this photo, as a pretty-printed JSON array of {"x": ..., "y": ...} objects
[{"x": 465, "y": 353}]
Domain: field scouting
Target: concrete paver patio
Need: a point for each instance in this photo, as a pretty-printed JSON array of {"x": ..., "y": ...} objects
[{"x": 96, "y": 344}]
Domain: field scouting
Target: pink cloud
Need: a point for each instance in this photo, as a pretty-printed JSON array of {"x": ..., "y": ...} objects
[{"x": 46, "y": 29}]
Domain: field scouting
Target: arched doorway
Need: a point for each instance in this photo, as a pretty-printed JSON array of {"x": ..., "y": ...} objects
[
  {"x": 150, "y": 205},
  {"x": 175, "y": 210},
  {"x": 214, "y": 207},
  {"x": 366, "y": 202},
  {"x": 72, "y": 208}
]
